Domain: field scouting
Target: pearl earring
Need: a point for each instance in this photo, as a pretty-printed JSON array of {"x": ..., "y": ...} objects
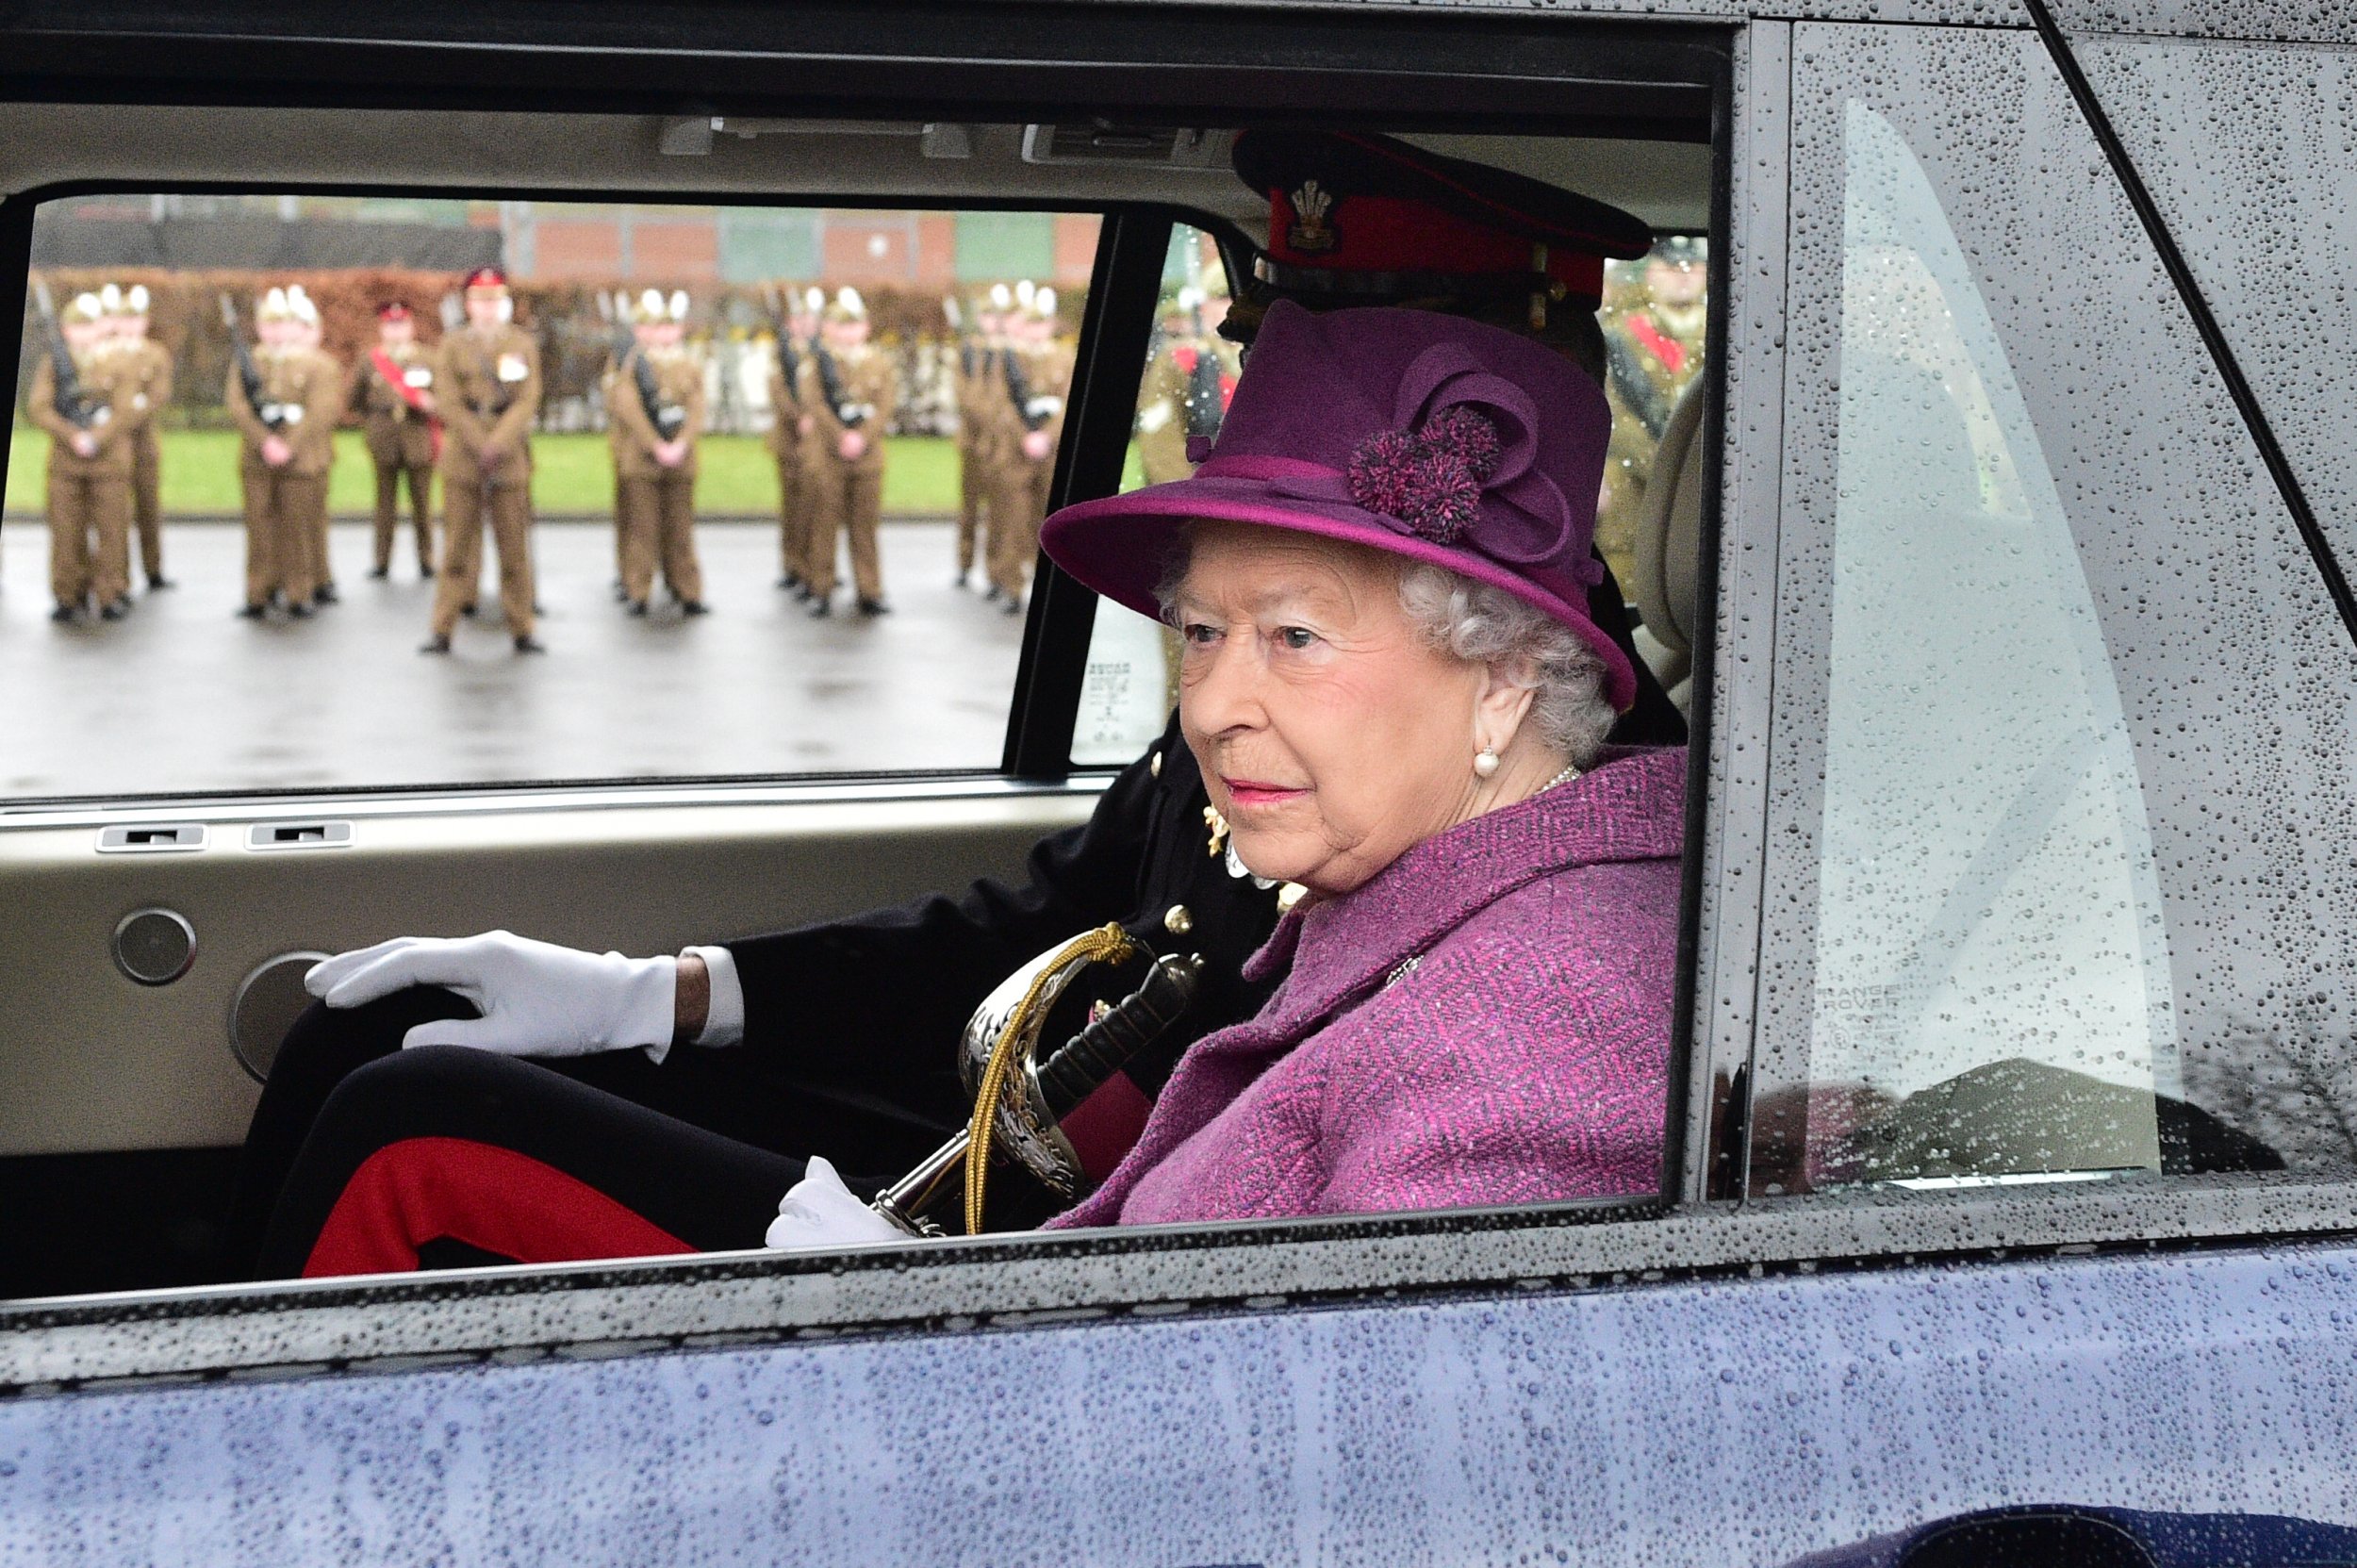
[{"x": 1485, "y": 762}]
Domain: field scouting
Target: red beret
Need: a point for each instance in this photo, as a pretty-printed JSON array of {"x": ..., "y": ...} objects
[
  {"x": 392, "y": 310},
  {"x": 487, "y": 277}
]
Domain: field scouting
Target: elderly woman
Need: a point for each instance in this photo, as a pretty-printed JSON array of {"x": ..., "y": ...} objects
[{"x": 1397, "y": 700}]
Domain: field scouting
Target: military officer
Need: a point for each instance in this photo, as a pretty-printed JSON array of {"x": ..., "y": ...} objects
[
  {"x": 849, "y": 391},
  {"x": 978, "y": 394},
  {"x": 1188, "y": 382},
  {"x": 1036, "y": 376},
  {"x": 304, "y": 334},
  {"x": 393, "y": 392},
  {"x": 285, "y": 400},
  {"x": 625, "y": 312},
  {"x": 656, "y": 417},
  {"x": 1162, "y": 419},
  {"x": 835, "y": 1050},
  {"x": 789, "y": 429},
  {"x": 1655, "y": 350},
  {"x": 486, "y": 379},
  {"x": 74, "y": 397},
  {"x": 148, "y": 369}
]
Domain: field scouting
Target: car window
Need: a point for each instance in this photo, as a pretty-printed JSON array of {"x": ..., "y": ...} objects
[
  {"x": 2250, "y": 152},
  {"x": 2061, "y": 704},
  {"x": 1130, "y": 684},
  {"x": 162, "y": 637}
]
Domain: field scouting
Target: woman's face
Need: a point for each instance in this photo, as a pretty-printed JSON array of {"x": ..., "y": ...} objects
[{"x": 1330, "y": 734}]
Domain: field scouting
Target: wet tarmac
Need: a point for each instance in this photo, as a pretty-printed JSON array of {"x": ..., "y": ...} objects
[{"x": 183, "y": 696}]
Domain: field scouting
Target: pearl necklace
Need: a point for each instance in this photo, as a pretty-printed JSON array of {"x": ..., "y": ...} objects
[{"x": 1565, "y": 777}]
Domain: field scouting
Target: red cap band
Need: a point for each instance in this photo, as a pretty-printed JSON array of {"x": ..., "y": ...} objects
[{"x": 1394, "y": 233}]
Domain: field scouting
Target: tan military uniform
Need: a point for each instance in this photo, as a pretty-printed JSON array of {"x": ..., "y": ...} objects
[
  {"x": 90, "y": 498},
  {"x": 1018, "y": 496},
  {"x": 658, "y": 504},
  {"x": 846, "y": 498},
  {"x": 487, "y": 391},
  {"x": 1183, "y": 371},
  {"x": 150, "y": 365},
  {"x": 400, "y": 443},
  {"x": 286, "y": 507},
  {"x": 786, "y": 445},
  {"x": 614, "y": 444},
  {"x": 979, "y": 390},
  {"x": 1651, "y": 358}
]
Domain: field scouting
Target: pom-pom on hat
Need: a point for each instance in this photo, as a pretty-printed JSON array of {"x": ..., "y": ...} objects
[
  {"x": 1420, "y": 435},
  {"x": 83, "y": 307},
  {"x": 111, "y": 299},
  {"x": 848, "y": 306},
  {"x": 136, "y": 300}
]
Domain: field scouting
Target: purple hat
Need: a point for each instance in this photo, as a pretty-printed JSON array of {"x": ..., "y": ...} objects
[{"x": 1426, "y": 435}]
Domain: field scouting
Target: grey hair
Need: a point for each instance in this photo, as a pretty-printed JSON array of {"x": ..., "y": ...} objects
[
  {"x": 1525, "y": 645},
  {"x": 1486, "y": 625}
]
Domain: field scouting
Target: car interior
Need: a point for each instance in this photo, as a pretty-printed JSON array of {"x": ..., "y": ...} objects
[{"x": 121, "y": 1103}]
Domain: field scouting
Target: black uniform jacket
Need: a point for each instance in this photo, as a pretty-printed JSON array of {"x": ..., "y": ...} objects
[{"x": 868, "y": 1011}]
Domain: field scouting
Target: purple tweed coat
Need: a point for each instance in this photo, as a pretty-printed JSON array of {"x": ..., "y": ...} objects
[{"x": 1486, "y": 1021}]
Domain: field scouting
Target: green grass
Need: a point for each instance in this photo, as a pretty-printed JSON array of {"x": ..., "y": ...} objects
[{"x": 572, "y": 474}]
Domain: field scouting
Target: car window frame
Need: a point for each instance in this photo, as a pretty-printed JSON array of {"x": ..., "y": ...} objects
[
  {"x": 1049, "y": 662},
  {"x": 1685, "y": 1230}
]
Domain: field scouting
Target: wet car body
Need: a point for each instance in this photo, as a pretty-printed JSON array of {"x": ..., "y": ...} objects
[{"x": 1766, "y": 1361}]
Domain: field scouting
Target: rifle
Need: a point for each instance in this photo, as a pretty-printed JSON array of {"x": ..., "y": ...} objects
[
  {"x": 789, "y": 362},
  {"x": 73, "y": 406},
  {"x": 955, "y": 315},
  {"x": 1204, "y": 407},
  {"x": 670, "y": 418},
  {"x": 273, "y": 415},
  {"x": 853, "y": 415},
  {"x": 1033, "y": 411}
]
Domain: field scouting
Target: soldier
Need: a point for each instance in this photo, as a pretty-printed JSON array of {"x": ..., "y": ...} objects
[
  {"x": 75, "y": 393},
  {"x": 1037, "y": 375},
  {"x": 1655, "y": 350},
  {"x": 147, "y": 368},
  {"x": 789, "y": 427},
  {"x": 655, "y": 410},
  {"x": 285, "y": 400},
  {"x": 1188, "y": 380},
  {"x": 978, "y": 393},
  {"x": 486, "y": 376},
  {"x": 392, "y": 392},
  {"x": 303, "y": 338},
  {"x": 1162, "y": 423},
  {"x": 848, "y": 390}
]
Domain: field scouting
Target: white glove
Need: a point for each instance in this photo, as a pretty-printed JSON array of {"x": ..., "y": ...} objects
[
  {"x": 537, "y": 999},
  {"x": 819, "y": 1211}
]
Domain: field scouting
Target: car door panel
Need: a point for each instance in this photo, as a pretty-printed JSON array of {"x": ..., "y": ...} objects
[
  {"x": 95, "y": 1060},
  {"x": 1710, "y": 1420}
]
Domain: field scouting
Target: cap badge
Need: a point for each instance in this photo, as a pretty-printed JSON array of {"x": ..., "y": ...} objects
[{"x": 1311, "y": 233}]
